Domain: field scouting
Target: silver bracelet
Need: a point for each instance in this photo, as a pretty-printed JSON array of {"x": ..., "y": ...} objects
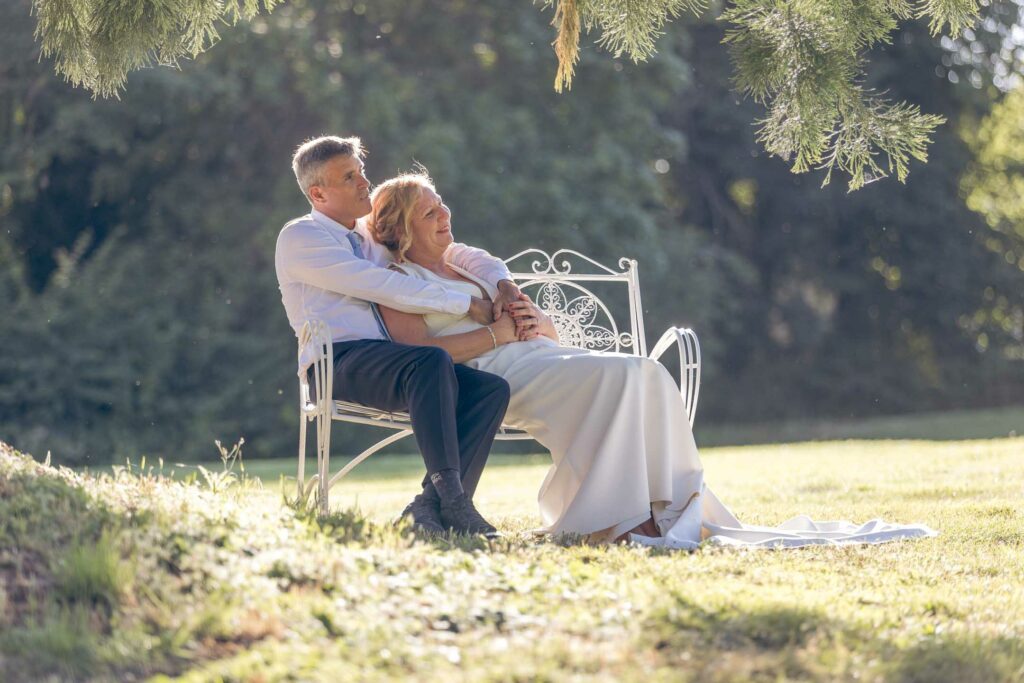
[{"x": 494, "y": 339}]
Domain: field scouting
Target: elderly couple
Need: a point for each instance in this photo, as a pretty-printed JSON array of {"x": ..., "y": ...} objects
[{"x": 439, "y": 329}]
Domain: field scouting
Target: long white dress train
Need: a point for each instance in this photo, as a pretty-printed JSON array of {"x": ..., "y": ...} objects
[{"x": 622, "y": 447}]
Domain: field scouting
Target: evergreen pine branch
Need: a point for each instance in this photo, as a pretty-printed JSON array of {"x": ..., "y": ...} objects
[
  {"x": 868, "y": 128},
  {"x": 803, "y": 60},
  {"x": 61, "y": 29},
  {"x": 958, "y": 14},
  {"x": 567, "y": 42},
  {"x": 97, "y": 43},
  {"x": 777, "y": 48},
  {"x": 632, "y": 27}
]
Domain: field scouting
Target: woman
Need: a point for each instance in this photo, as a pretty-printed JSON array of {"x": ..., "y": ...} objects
[{"x": 625, "y": 462}]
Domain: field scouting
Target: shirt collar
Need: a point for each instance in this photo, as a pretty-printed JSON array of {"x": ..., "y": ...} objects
[{"x": 328, "y": 222}]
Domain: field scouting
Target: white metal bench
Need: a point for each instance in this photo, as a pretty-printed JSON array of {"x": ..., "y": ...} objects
[{"x": 583, "y": 319}]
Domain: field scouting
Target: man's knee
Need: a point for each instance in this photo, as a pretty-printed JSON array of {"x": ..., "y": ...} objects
[
  {"x": 496, "y": 389},
  {"x": 433, "y": 358}
]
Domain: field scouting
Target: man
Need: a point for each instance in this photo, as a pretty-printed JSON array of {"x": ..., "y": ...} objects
[{"x": 328, "y": 267}]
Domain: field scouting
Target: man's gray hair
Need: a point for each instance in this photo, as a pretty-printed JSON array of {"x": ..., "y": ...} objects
[{"x": 311, "y": 156}]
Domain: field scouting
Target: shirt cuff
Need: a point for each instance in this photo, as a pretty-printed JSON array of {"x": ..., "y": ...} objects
[
  {"x": 458, "y": 303},
  {"x": 499, "y": 274}
]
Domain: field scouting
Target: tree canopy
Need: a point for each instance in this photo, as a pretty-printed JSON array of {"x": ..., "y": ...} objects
[{"x": 804, "y": 60}]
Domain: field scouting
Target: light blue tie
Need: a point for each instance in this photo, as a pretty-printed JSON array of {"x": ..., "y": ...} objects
[{"x": 356, "y": 241}]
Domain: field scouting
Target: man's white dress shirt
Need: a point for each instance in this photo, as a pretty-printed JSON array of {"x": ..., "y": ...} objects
[{"x": 320, "y": 277}]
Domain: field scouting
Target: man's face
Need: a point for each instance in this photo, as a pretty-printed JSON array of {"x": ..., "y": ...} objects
[{"x": 344, "y": 194}]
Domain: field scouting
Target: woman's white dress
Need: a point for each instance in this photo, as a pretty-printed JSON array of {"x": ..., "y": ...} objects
[{"x": 621, "y": 444}]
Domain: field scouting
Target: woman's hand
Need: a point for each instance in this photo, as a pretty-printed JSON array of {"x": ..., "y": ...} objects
[
  {"x": 531, "y": 321},
  {"x": 508, "y": 291},
  {"x": 504, "y": 329}
]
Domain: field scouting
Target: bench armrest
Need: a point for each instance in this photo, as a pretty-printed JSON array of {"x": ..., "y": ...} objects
[
  {"x": 315, "y": 347},
  {"x": 686, "y": 342}
]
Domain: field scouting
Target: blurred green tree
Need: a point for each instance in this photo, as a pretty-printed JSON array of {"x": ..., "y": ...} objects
[
  {"x": 139, "y": 310},
  {"x": 874, "y": 290},
  {"x": 141, "y": 231},
  {"x": 994, "y": 185}
]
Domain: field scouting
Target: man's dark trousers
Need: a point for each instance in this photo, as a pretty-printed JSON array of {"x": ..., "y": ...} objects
[{"x": 455, "y": 410}]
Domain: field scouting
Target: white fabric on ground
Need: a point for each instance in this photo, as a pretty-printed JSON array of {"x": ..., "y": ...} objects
[{"x": 718, "y": 526}]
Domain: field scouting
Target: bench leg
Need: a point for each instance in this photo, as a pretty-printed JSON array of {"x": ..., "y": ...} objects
[
  {"x": 300, "y": 477},
  {"x": 323, "y": 459},
  {"x": 366, "y": 454}
]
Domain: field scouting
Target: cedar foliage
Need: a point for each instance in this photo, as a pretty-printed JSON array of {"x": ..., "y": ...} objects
[{"x": 802, "y": 59}]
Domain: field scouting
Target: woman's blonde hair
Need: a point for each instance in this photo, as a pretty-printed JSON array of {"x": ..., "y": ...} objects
[{"x": 393, "y": 202}]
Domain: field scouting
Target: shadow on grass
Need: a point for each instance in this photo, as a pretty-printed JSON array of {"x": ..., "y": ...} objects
[
  {"x": 62, "y": 575},
  {"x": 959, "y": 659},
  {"x": 59, "y": 640},
  {"x": 683, "y": 624},
  {"x": 352, "y": 526},
  {"x": 777, "y": 642}
]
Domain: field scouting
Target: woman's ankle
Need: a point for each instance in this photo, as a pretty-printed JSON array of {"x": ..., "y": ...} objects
[{"x": 646, "y": 528}]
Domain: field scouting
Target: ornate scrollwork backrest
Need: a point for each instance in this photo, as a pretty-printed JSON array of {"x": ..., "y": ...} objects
[{"x": 581, "y": 317}]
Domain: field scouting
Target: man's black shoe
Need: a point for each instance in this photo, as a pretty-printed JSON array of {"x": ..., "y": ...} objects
[
  {"x": 460, "y": 515},
  {"x": 426, "y": 515}
]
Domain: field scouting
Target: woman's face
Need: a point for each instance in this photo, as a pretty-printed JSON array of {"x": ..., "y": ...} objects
[{"x": 431, "y": 223}]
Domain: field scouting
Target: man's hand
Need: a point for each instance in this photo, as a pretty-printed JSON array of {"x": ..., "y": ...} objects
[
  {"x": 480, "y": 311},
  {"x": 508, "y": 292},
  {"x": 531, "y": 321}
]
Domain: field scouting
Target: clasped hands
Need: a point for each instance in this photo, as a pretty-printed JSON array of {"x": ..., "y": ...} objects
[{"x": 512, "y": 315}]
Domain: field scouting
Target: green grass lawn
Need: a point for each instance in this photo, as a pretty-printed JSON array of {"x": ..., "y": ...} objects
[
  {"x": 120, "y": 577},
  {"x": 952, "y": 425}
]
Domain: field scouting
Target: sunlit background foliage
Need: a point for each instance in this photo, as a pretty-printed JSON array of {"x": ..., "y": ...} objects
[{"x": 139, "y": 311}]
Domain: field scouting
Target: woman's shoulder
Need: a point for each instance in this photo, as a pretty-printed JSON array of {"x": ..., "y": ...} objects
[{"x": 410, "y": 269}]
